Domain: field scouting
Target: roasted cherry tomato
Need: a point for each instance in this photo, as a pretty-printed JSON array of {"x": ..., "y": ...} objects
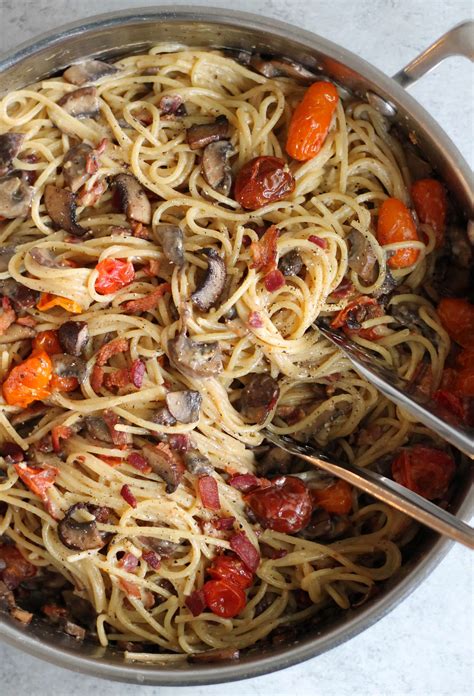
[
  {"x": 261, "y": 181},
  {"x": 311, "y": 121},
  {"x": 285, "y": 506},
  {"x": 354, "y": 313},
  {"x": 429, "y": 199},
  {"x": 395, "y": 224},
  {"x": 336, "y": 499},
  {"x": 113, "y": 275},
  {"x": 29, "y": 381},
  {"x": 231, "y": 569},
  {"x": 464, "y": 383},
  {"x": 425, "y": 470},
  {"x": 47, "y": 341},
  {"x": 457, "y": 317},
  {"x": 224, "y": 598},
  {"x": 48, "y": 301},
  {"x": 36, "y": 479},
  {"x": 14, "y": 568}
]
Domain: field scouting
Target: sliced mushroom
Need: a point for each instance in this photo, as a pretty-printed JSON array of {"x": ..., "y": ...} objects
[
  {"x": 81, "y": 536},
  {"x": 97, "y": 428},
  {"x": 291, "y": 264},
  {"x": 20, "y": 296},
  {"x": 163, "y": 547},
  {"x": 184, "y": 405},
  {"x": 163, "y": 417},
  {"x": 15, "y": 197},
  {"x": 409, "y": 317},
  {"x": 197, "y": 464},
  {"x": 193, "y": 358},
  {"x": 385, "y": 291},
  {"x": 132, "y": 198},
  {"x": 76, "y": 166},
  {"x": 215, "y": 166},
  {"x": 362, "y": 257},
  {"x": 10, "y": 144},
  {"x": 201, "y": 134},
  {"x": 61, "y": 208},
  {"x": 172, "y": 241},
  {"x": 172, "y": 105},
  {"x": 259, "y": 397},
  {"x": 88, "y": 71},
  {"x": 81, "y": 103},
  {"x": 6, "y": 255},
  {"x": 166, "y": 464},
  {"x": 45, "y": 257},
  {"x": 326, "y": 527},
  {"x": 282, "y": 67},
  {"x": 16, "y": 332},
  {"x": 213, "y": 284},
  {"x": 65, "y": 365},
  {"x": 73, "y": 337}
]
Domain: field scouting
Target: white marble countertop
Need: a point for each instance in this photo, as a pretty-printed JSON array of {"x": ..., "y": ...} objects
[{"x": 424, "y": 646}]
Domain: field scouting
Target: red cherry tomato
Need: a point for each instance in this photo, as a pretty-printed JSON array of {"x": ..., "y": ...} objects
[
  {"x": 285, "y": 506},
  {"x": 224, "y": 598},
  {"x": 457, "y": 317},
  {"x": 114, "y": 274},
  {"x": 231, "y": 569},
  {"x": 425, "y": 470},
  {"x": 261, "y": 181},
  {"x": 336, "y": 499}
]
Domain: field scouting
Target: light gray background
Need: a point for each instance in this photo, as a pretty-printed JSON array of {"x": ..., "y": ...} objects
[{"x": 424, "y": 647}]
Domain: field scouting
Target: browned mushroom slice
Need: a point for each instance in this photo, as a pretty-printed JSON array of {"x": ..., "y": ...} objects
[
  {"x": 10, "y": 144},
  {"x": 21, "y": 296},
  {"x": 362, "y": 257},
  {"x": 73, "y": 337},
  {"x": 65, "y": 365},
  {"x": 172, "y": 105},
  {"x": 291, "y": 264},
  {"x": 215, "y": 166},
  {"x": 197, "y": 464},
  {"x": 76, "y": 166},
  {"x": 88, "y": 71},
  {"x": 15, "y": 197},
  {"x": 166, "y": 463},
  {"x": 45, "y": 257},
  {"x": 97, "y": 428},
  {"x": 184, "y": 405},
  {"x": 163, "y": 417},
  {"x": 81, "y": 536},
  {"x": 6, "y": 255},
  {"x": 81, "y": 103},
  {"x": 213, "y": 284},
  {"x": 133, "y": 200},
  {"x": 201, "y": 134},
  {"x": 282, "y": 67},
  {"x": 171, "y": 239},
  {"x": 259, "y": 397},
  {"x": 163, "y": 547},
  {"x": 193, "y": 358},
  {"x": 61, "y": 208},
  {"x": 217, "y": 655},
  {"x": 16, "y": 332}
]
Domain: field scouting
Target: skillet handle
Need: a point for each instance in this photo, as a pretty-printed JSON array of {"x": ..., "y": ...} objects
[{"x": 458, "y": 41}]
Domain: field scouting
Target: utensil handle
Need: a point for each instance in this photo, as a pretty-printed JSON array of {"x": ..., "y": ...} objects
[{"x": 458, "y": 41}]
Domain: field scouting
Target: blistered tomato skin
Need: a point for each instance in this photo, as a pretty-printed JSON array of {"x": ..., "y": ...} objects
[
  {"x": 224, "y": 598},
  {"x": 311, "y": 121},
  {"x": 29, "y": 381},
  {"x": 113, "y": 275},
  {"x": 261, "y": 181},
  {"x": 231, "y": 569},
  {"x": 285, "y": 506},
  {"x": 424, "y": 470}
]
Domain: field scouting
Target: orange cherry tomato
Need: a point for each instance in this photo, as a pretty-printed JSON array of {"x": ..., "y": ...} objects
[
  {"x": 311, "y": 121},
  {"x": 429, "y": 199},
  {"x": 113, "y": 275},
  {"x": 224, "y": 598},
  {"x": 395, "y": 224},
  {"x": 261, "y": 181},
  {"x": 231, "y": 569},
  {"x": 285, "y": 506},
  {"x": 336, "y": 499},
  {"x": 47, "y": 341},
  {"x": 48, "y": 301},
  {"x": 36, "y": 479},
  {"x": 29, "y": 381},
  {"x": 425, "y": 470},
  {"x": 457, "y": 317}
]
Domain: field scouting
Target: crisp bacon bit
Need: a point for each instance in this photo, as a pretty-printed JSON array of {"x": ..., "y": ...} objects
[
  {"x": 119, "y": 438},
  {"x": 118, "y": 345},
  {"x": 224, "y": 523},
  {"x": 209, "y": 492},
  {"x": 137, "y": 372},
  {"x": 140, "y": 231},
  {"x": 265, "y": 250},
  {"x": 153, "y": 268},
  {"x": 130, "y": 588},
  {"x": 89, "y": 196},
  {"x": 111, "y": 461},
  {"x": 244, "y": 482},
  {"x": 8, "y": 316},
  {"x": 12, "y": 452},
  {"x": 245, "y": 550},
  {"x": 269, "y": 552},
  {"x": 139, "y": 463},
  {"x": 255, "y": 320},
  {"x": 143, "y": 115},
  {"x": 129, "y": 562},
  {"x": 274, "y": 280},
  {"x": 118, "y": 378},
  {"x": 58, "y": 433},
  {"x": 128, "y": 496},
  {"x": 27, "y": 321},
  {"x": 97, "y": 378},
  {"x": 101, "y": 147},
  {"x": 179, "y": 442},
  {"x": 172, "y": 105},
  {"x": 319, "y": 241},
  {"x": 152, "y": 558},
  {"x": 37, "y": 480},
  {"x": 145, "y": 304},
  {"x": 196, "y": 602}
]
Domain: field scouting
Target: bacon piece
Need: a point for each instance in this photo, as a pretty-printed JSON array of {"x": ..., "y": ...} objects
[
  {"x": 196, "y": 602},
  {"x": 121, "y": 439},
  {"x": 145, "y": 304},
  {"x": 97, "y": 378},
  {"x": 224, "y": 523},
  {"x": 118, "y": 345},
  {"x": 128, "y": 496},
  {"x": 319, "y": 241},
  {"x": 180, "y": 442},
  {"x": 265, "y": 250},
  {"x": 209, "y": 492},
  {"x": 255, "y": 320},
  {"x": 139, "y": 463},
  {"x": 129, "y": 562},
  {"x": 245, "y": 550},
  {"x": 117, "y": 378},
  {"x": 152, "y": 558},
  {"x": 244, "y": 482},
  {"x": 137, "y": 373},
  {"x": 58, "y": 433},
  {"x": 274, "y": 280},
  {"x": 14, "y": 567},
  {"x": 8, "y": 316}
]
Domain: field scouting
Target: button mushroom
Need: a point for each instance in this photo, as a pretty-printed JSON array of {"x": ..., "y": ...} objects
[
  {"x": 81, "y": 103},
  {"x": 282, "y": 67},
  {"x": 259, "y": 397},
  {"x": 73, "y": 337},
  {"x": 166, "y": 463},
  {"x": 163, "y": 547},
  {"x": 10, "y": 144},
  {"x": 201, "y": 134},
  {"x": 193, "y": 358},
  {"x": 362, "y": 257},
  {"x": 171, "y": 239},
  {"x": 45, "y": 257},
  {"x": 197, "y": 464},
  {"x": 163, "y": 417},
  {"x": 291, "y": 264},
  {"x": 20, "y": 295},
  {"x": 81, "y": 536},
  {"x": 77, "y": 166},
  {"x": 15, "y": 197},
  {"x": 61, "y": 208},
  {"x": 184, "y": 405},
  {"x": 213, "y": 284},
  {"x": 215, "y": 166},
  {"x": 97, "y": 428},
  {"x": 88, "y": 71},
  {"x": 133, "y": 200},
  {"x": 172, "y": 105},
  {"x": 65, "y": 365}
]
